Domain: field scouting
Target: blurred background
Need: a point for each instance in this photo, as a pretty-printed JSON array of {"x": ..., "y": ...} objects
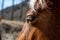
[{"x": 13, "y": 17}]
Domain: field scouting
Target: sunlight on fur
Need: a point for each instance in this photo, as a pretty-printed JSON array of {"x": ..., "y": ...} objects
[{"x": 41, "y": 2}]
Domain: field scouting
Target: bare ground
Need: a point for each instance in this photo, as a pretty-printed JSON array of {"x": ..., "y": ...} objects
[{"x": 10, "y": 29}]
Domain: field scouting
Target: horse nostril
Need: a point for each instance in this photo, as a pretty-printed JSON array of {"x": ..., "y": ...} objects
[{"x": 30, "y": 18}]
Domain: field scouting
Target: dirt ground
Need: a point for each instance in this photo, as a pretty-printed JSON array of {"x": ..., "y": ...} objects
[{"x": 10, "y": 29}]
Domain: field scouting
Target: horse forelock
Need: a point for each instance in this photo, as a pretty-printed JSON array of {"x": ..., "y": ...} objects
[
  {"x": 31, "y": 4},
  {"x": 42, "y": 3}
]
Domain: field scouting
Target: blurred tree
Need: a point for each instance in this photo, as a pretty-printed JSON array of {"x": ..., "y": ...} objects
[
  {"x": 2, "y": 8},
  {"x": 12, "y": 9},
  {"x": 21, "y": 10},
  {"x": 1, "y": 15}
]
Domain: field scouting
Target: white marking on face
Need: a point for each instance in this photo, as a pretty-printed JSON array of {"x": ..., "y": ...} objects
[
  {"x": 32, "y": 3},
  {"x": 42, "y": 4}
]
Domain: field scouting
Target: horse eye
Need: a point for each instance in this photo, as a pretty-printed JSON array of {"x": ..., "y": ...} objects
[{"x": 30, "y": 18}]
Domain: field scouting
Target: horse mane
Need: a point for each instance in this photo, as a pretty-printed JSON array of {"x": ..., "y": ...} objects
[{"x": 43, "y": 4}]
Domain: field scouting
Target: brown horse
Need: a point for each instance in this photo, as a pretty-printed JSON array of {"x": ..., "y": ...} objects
[{"x": 42, "y": 21}]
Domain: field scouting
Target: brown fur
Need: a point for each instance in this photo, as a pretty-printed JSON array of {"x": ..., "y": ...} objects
[{"x": 45, "y": 27}]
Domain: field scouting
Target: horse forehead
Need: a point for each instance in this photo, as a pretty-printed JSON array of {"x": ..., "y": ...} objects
[{"x": 30, "y": 12}]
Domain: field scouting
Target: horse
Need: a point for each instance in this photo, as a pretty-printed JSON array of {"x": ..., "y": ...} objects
[{"x": 42, "y": 21}]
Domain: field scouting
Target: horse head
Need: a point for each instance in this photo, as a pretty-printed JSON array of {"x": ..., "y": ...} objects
[
  {"x": 39, "y": 11},
  {"x": 43, "y": 15}
]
